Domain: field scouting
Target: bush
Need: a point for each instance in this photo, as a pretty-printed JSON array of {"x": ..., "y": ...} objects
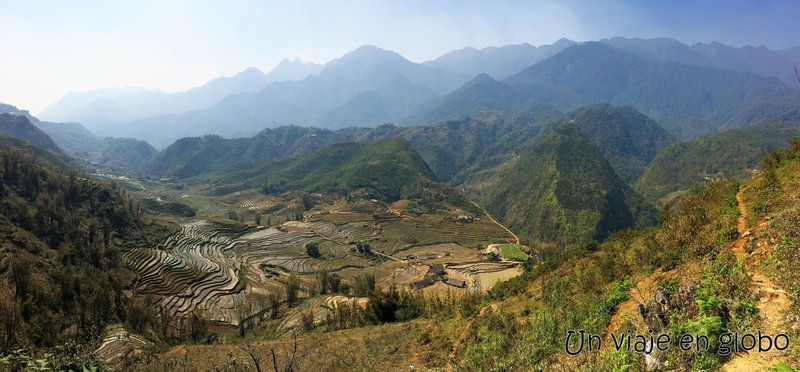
[{"x": 312, "y": 249}]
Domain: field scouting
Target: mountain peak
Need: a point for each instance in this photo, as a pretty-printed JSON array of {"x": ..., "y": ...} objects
[
  {"x": 250, "y": 72},
  {"x": 370, "y": 54}
]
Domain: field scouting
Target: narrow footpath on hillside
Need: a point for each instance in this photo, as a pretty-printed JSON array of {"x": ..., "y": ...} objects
[
  {"x": 773, "y": 305},
  {"x": 495, "y": 221}
]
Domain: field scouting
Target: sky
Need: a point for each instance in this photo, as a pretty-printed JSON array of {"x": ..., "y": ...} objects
[{"x": 54, "y": 47}]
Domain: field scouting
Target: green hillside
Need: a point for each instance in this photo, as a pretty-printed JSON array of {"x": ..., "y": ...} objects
[
  {"x": 733, "y": 153},
  {"x": 626, "y": 137},
  {"x": 191, "y": 156},
  {"x": 22, "y": 128},
  {"x": 561, "y": 189},
  {"x": 61, "y": 275},
  {"x": 478, "y": 95},
  {"x": 447, "y": 146},
  {"x": 389, "y": 167},
  {"x": 42, "y": 156}
]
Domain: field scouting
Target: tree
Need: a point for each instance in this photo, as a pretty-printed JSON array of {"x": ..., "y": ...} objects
[
  {"x": 312, "y": 249},
  {"x": 308, "y": 202},
  {"x": 274, "y": 299},
  {"x": 364, "y": 248},
  {"x": 363, "y": 284},
  {"x": 292, "y": 287}
]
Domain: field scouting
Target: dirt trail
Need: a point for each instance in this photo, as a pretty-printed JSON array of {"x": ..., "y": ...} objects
[
  {"x": 495, "y": 221},
  {"x": 773, "y": 304},
  {"x": 628, "y": 309}
]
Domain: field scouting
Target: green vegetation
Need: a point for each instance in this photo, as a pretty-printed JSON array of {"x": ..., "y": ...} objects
[
  {"x": 171, "y": 208},
  {"x": 312, "y": 249},
  {"x": 21, "y": 127},
  {"x": 561, "y": 189},
  {"x": 627, "y": 138},
  {"x": 733, "y": 153},
  {"x": 512, "y": 252},
  {"x": 60, "y": 268},
  {"x": 388, "y": 169}
]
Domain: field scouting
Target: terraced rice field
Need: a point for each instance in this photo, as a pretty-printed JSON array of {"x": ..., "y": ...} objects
[
  {"x": 484, "y": 274},
  {"x": 226, "y": 270},
  {"x": 217, "y": 268},
  {"x": 253, "y": 200},
  {"x": 193, "y": 269},
  {"x": 118, "y": 343}
]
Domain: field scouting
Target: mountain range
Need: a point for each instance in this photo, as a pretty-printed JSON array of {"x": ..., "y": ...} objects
[
  {"x": 99, "y": 109},
  {"x": 371, "y": 86}
]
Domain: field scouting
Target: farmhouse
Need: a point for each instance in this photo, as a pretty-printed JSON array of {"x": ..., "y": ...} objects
[
  {"x": 455, "y": 283},
  {"x": 426, "y": 256},
  {"x": 422, "y": 283},
  {"x": 437, "y": 269}
]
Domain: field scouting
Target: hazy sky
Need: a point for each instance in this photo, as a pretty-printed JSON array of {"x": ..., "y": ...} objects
[{"x": 53, "y": 47}]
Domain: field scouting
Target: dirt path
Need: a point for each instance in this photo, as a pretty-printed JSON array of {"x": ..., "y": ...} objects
[
  {"x": 495, "y": 221},
  {"x": 773, "y": 304},
  {"x": 628, "y": 310}
]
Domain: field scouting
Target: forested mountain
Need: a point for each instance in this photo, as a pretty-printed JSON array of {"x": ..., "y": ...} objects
[
  {"x": 79, "y": 143},
  {"x": 22, "y": 128},
  {"x": 191, "y": 156},
  {"x": 60, "y": 269},
  {"x": 561, "y": 189},
  {"x": 735, "y": 153},
  {"x": 447, "y": 146},
  {"x": 388, "y": 169},
  {"x": 626, "y": 137}
]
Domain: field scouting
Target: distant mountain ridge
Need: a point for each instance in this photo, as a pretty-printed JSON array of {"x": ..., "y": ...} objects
[
  {"x": 97, "y": 108},
  {"x": 497, "y": 62},
  {"x": 366, "y": 87},
  {"x": 758, "y": 60},
  {"x": 687, "y": 100},
  {"x": 691, "y": 90}
]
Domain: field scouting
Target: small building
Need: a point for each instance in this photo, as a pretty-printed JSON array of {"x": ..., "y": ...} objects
[
  {"x": 422, "y": 283},
  {"x": 426, "y": 256},
  {"x": 455, "y": 283},
  {"x": 437, "y": 269}
]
